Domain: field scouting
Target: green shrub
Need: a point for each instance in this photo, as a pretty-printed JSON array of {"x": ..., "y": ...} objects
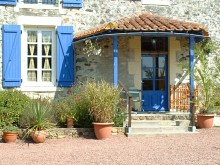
[
  {"x": 120, "y": 115},
  {"x": 38, "y": 115},
  {"x": 12, "y": 104},
  {"x": 65, "y": 106},
  {"x": 103, "y": 99},
  {"x": 10, "y": 129},
  {"x": 84, "y": 120}
]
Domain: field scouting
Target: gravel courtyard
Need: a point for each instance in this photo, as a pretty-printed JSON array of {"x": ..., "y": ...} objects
[{"x": 202, "y": 148}]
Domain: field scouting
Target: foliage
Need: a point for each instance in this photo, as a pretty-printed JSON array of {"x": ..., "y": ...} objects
[
  {"x": 206, "y": 75},
  {"x": 12, "y": 104},
  {"x": 10, "y": 129},
  {"x": 37, "y": 116},
  {"x": 65, "y": 106},
  {"x": 84, "y": 120},
  {"x": 91, "y": 48},
  {"x": 103, "y": 98},
  {"x": 120, "y": 115}
]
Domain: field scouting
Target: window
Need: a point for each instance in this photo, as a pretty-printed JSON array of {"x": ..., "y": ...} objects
[
  {"x": 39, "y": 55},
  {"x": 39, "y": 1},
  {"x": 154, "y": 44},
  {"x": 155, "y": 2},
  {"x": 43, "y": 3}
]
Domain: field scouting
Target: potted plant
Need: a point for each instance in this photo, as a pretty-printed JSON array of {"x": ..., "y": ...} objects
[
  {"x": 65, "y": 110},
  {"x": 103, "y": 98},
  {"x": 206, "y": 76},
  {"x": 12, "y": 104},
  {"x": 37, "y": 118},
  {"x": 10, "y": 133}
]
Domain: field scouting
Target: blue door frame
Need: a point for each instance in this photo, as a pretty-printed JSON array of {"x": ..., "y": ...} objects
[{"x": 155, "y": 82}]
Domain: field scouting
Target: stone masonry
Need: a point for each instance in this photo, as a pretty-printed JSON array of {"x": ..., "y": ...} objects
[{"x": 97, "y": 12}]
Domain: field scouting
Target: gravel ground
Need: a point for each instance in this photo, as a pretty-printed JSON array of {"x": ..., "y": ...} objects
[{"x": 201, "y": 148}]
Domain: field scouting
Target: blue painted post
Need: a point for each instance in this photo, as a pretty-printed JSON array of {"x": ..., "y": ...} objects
[
  {"x": 191, "y": 64},
  {"x": 115, "y": 53}
]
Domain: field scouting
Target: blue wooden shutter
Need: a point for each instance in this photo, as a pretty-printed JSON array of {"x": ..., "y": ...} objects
[
  {"x": 65, "y": 70},
  {"x": 11, "y": 55},
  {"x": 8, "y": 2},
  {"x": 72, "y": 3}
]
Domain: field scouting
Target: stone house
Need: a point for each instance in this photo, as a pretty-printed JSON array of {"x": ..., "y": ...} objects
[{"x": 142, "y": 43}]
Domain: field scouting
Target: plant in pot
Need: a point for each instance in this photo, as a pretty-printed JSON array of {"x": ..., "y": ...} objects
[
  {"x": 103, "y": 98},
  {"x": 10, "y": 133},
  {"x": 64, "y": 108},
  {"x": 206, "y": 76},
  {"x": 37, "y": 118},
  {"x": 12, "y": 104}
]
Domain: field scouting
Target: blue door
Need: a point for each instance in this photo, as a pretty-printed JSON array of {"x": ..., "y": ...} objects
[{"x": 155, "y": 82}]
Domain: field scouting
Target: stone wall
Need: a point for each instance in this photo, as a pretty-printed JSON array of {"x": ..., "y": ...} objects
[
  {"x": 97, "y": 12},
  {"x": 59, "y": 133}
]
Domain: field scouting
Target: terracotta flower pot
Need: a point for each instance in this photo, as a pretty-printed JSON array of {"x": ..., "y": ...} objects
[
  {"x": 69, "y": 122},
  {"x": 205, "y": 120},
  {"x": 102, "y": 130},
  {"x": 39, "y": 136},
  {"x": 10, "y": 137}
]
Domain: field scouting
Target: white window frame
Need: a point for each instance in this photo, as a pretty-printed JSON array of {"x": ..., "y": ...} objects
[
  {"x": 24, "y": 58},
  {"x": 156, "y": 2},
  {"x": 21, "y": 4}
]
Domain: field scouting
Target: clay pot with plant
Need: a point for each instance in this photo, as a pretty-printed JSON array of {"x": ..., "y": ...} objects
[
  {"x": 206, "y": 75},
  {"x": 37, "y": 118},
  {"x": 12, "y": 104},
  {"x": 65, "y": 110},
  {"x": 103, "y": 98},
  {"x": 10, "y": 134}
]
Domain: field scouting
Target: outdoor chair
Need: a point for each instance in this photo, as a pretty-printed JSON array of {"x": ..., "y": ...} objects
[{"x": 136, "y": 97}]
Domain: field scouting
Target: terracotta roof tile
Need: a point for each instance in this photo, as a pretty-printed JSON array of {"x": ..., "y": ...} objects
[{"x": 144, "y": 21}]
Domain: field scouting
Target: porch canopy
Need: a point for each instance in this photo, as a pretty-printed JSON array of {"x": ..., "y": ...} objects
[
  {"x": 147, "y": 24},
  {"x": 144, "y": 23}
]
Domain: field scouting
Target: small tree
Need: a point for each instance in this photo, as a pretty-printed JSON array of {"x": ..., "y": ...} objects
[{"x": 206, "y": 74}]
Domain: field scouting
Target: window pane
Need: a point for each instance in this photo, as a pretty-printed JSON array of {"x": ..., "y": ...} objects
[
  {"x": 46, "y": 63},
  {"x": 49, "y": 1},
  {"x": 32, "y": 63},
  {"x": 147, "y": 62},
  {"x": 32, "y": 36},
  {"x": 46, "y": 76},
  {"x": 47, "y": 36},
  {"x": 32, "y": 49},
  {"x": 147, "y": 84},
  {"x": 160, "y": 84},
  {"x": 160, "y": 62},
  {"x": 152, "y": 44},
  {"x": 32, "y": 75},
  {"x": 148, "y": 73},
  {"x": 160, "y": 73},
  {"x": 30, "y": 1},
  {"x": 46, "y": 50}
]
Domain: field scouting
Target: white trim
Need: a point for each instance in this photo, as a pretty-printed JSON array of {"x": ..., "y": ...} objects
[
  {"x": 38, "y": 89},
  {"x": 21, "y": 4},
  {"x": 155, "y": 2},
  {"x": 39, "y": 21}
]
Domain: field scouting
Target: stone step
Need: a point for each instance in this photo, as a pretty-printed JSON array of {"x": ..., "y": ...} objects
[
  {"x": 147, "y": 123},
  {"x": 185, "y": 116},
  {"x": 158, "y": 129},
  {"x": 139, "y": 123},
  {"x": 157, "y": 134}
]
